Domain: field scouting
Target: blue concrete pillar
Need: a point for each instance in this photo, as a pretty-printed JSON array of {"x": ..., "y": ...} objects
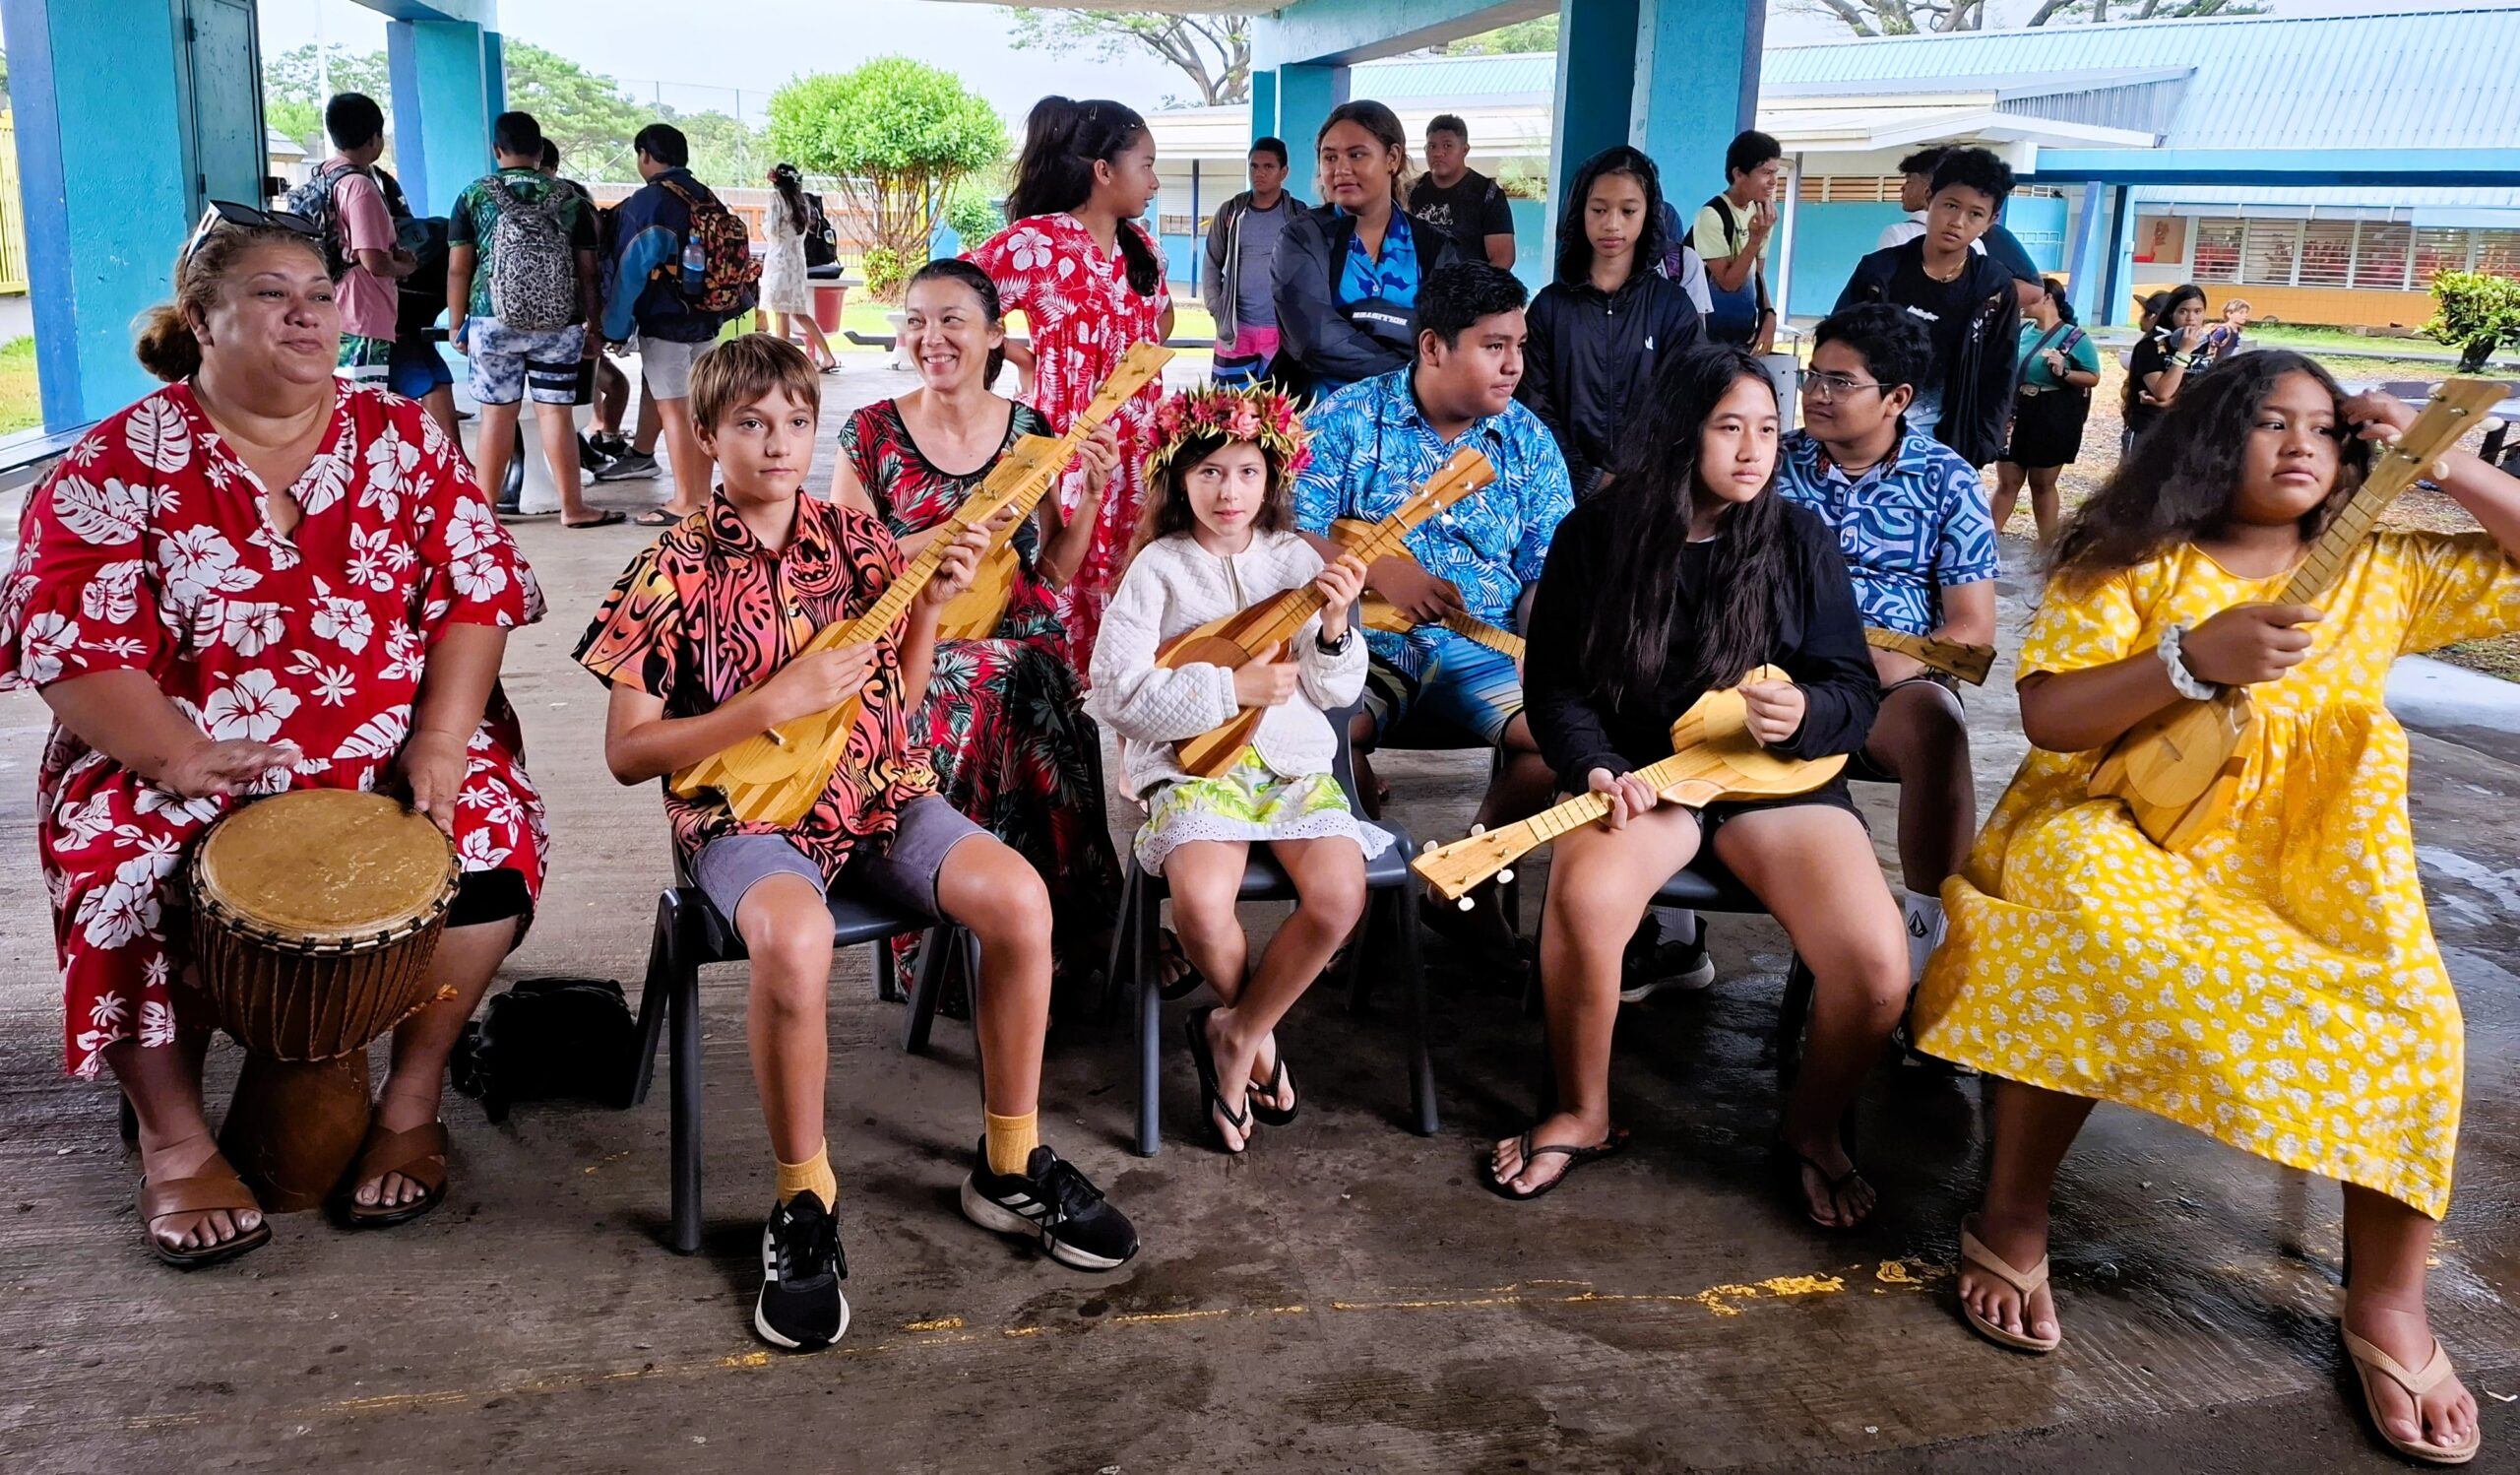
[
  {"x": 100, "y": 88},
  {"x": 1264, "y": 108},
  {"x": 2122, "y": 257},
  {"x": 1305, "y": 97},
  {"x": 2083, "y": 257},
  {"x": 1595, "y": 86},
  {"x": 441, "y": 76},
  {"x": 1696, "y": 85}
]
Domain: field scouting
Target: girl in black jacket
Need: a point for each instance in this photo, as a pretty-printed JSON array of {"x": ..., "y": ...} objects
[
  {"x": 1347, "y": 274},
  {"x": 1685, "y": 573},
  {"x": 1596, "y": 331}
]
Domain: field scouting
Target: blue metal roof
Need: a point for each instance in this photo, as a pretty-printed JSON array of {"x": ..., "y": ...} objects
[
  {"x": 2433, "y": 78},
  {"x": 1455, "y": 76}
]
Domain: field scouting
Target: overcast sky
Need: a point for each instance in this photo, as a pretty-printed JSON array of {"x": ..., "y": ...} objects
[{"x": 757, "y": 44}]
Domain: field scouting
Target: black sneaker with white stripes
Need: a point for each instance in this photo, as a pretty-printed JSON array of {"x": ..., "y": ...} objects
[
  {"x": 1051, "y": 1201},
  {"x": 801, "y": 1307}
]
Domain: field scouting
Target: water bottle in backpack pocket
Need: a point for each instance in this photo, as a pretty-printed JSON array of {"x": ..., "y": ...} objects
[
  {"x": 534, "y": 273},
  {"x": 718, "y": 270}
]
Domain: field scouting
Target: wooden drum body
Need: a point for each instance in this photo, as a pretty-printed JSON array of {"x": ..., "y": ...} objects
[{"x": 315, "y": 916}]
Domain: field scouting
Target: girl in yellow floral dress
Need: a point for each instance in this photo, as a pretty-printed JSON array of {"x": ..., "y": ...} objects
[{"x": 2275, "y": 984}]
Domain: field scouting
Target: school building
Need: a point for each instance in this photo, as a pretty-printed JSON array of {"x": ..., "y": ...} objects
[{"x": 2323, "y": 167}]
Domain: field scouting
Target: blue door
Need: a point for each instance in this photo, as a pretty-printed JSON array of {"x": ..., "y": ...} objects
[{"x": 223, "y": 98}]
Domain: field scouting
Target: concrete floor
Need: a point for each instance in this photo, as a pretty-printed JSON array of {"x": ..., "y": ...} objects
[{"x": 1345, "y": 1298}]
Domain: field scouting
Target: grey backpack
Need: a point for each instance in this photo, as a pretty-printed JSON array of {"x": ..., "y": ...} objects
[{"x": 534, "y": 273}]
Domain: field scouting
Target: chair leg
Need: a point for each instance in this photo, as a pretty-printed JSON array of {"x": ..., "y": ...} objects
[
  {"x": 937, "y": 952},
  {"x": 967, "y": 956},
  {"x": 654, "y": 994},
  {"x": 888, "y": 979},
  {"x": 1116, "y": 977},
  {"x": 686, "y": 1105},
  {"x": 1361, "y": 979},
  {"x": 1794, "y": 1015},
  {"x": 1150, "y": 1038},
  {"x": 1413, "y": 977}
]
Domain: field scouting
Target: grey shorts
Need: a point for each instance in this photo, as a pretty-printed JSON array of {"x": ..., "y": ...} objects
[
  {"x": 899, "y": 871},
  {"x": 667, "y": 365}
]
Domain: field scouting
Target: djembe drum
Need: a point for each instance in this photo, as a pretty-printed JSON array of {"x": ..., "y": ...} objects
[{"x": 315, "y": 915}]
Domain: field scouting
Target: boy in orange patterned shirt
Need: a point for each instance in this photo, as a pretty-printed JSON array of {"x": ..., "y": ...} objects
[{"x": 698, "y": 641}]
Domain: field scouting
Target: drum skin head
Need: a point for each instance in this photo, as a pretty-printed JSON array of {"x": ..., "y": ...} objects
[{"x": 326, "y": 863}]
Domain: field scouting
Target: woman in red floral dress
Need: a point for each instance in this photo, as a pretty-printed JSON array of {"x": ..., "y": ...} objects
[
  {"x": 1004, "y": 722},
  {"x": 1089, "y": 280},
  {"x": 252, "y": 580}
]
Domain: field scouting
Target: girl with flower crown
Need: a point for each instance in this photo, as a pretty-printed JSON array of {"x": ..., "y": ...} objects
[{"x": 1219, "y": 537}]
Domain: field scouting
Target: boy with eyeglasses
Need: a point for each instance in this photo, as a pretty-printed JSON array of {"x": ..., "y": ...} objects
[{"x": 1911, "y": 517}]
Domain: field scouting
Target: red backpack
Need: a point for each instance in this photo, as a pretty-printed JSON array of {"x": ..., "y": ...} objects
[{"x": 728, "y": 270}]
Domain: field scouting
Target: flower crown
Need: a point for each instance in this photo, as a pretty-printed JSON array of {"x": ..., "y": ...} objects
[{"x": 1258, "y": 413}]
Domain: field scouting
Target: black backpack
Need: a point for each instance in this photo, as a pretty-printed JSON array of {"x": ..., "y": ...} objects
[
  {"x": 549, "y": 1037},
  {"x": 822, "y": 242},
  {"x": 314, "y": 200}
]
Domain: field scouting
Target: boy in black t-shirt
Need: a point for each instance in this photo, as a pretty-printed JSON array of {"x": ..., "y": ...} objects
[
  {"x": 1459, "y": 201},
  {"x": 1965, "y": 299}
]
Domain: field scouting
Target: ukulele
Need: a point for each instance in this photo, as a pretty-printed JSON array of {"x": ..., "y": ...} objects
[
  {"x": 2180, "y": 769},
  {"x": 974, "y": 613},
  {"x": 1969, "y": 662},
  {"x": 1244, "y": 636},
  {"x": 776, "y": 776},
  {"x": 1379, "y": 613},
  {"x": 1714, "y": 758}
]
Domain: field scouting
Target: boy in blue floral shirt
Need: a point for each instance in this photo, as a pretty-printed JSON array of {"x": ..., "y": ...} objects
[
  {"x": 1373, "y": 443},
  {"x": 1911, "y": 519}
]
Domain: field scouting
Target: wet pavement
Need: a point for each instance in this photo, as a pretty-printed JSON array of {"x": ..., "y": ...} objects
[{"x": 1342, "y": 1298}]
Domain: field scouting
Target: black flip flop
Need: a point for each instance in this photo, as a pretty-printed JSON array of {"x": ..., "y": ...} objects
[
  {"x": 1262, "y": 1099},
  {"x": 657, "y": 516},
  {"x": 1168, "y": 947},
  {"x": 1794, "y": 1163},
  {"x": 1213, "y": 1105},
  {"x": 604, "y": 519},
  {"x": 1576, "y": 1157}
]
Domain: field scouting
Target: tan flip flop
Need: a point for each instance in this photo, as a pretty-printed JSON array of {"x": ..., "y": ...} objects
[
  {"x": 217, "y": 1187},
  {"x": 2370, "y": 1360},
  {"x": 1974, "y": 1253}
]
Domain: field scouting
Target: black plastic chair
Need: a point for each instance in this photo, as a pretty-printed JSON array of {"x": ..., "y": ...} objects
[
  {"x": 690, "y": 934},
  {"x": 1390, "y": 908}
]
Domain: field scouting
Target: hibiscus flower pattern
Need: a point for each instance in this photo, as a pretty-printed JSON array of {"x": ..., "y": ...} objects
[
  {"x": 1083, "y": 315},
  {"x": 148, "y": 548}
]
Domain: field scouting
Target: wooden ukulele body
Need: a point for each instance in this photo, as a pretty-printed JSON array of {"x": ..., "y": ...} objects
[
  {"x": 2180, "y": 769},
  {"x": 973, "y": 615},
  {"x": 1225, "y": 642},
  {"x": 1714, "y": 758}
]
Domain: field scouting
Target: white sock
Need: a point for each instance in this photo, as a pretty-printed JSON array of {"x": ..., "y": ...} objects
[{"x": 1926, "y": 927}]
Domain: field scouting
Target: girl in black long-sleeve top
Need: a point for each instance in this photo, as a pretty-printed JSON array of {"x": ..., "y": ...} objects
[{"x": 1686, "y": 572}]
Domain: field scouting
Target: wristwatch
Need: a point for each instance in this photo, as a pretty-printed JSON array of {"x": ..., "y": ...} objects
[
  {"x": 1338, "y": 647},
  {"x": 2182, "y": 680}
]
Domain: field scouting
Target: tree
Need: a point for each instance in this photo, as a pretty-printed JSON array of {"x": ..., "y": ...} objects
[
  {"x": 1517, "y": 39},
  {"x": 1214, "y": 51},
  {"x": 724, "y": 152},
  {"x": 584, "y": 112},
  {"x": 896, "y": 133},
  {"x": 1936, "y": 17},
  {"x": 295, "y": 88},
  {"x": 2475, "y": 312}
]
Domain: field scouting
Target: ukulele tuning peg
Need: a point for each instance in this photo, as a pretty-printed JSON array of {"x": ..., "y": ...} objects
[
  {"x": 1428, "y": 849},
  {"x": 1479, "y": 829},
  {"x": 1467, "y": 905},
  {"x": 1505, "y": 877}
]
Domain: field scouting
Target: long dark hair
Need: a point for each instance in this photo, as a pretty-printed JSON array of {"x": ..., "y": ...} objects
[
  {"x": 1168, "y": 501},
  {"x": 1574, "y": 247},
  {"x": 1384, "y": 126},
  {"x": 792, "y": 192},
  {"x": 954, "y": 269},
  {"x": 1062, "y": 141},
  {"x": 2178, "y": 483},
  {"x": 2163, "y": 306},
  {"x": 1653, "y": 494}
]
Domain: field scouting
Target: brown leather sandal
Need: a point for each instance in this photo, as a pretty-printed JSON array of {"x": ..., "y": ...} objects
[
  {"x": 204, "y": 1193},
  {"x": 417, "y": 1153}
]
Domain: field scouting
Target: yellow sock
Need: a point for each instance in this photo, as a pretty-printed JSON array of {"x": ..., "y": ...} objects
[
  {"x": 814, "y": 1173},
  {"x": 1011, "y": 1140}
]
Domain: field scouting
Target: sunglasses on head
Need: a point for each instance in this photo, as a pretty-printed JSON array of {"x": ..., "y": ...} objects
[{"x": 229, "y": 212}]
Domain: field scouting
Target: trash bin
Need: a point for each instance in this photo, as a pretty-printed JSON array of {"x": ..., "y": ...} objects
[{"x": 829, "y": 298}]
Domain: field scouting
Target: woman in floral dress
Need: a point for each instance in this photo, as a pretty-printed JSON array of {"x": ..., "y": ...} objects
[
  {"x": 258, "y": 579},
  {"x": 1004, "y": 722},
  {"x": 1089, "y": 280}
]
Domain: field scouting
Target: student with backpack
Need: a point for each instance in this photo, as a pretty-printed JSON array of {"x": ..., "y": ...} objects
[
  {"x": 785, "y": 294},
  {"x": 2059, "y": 365},
  {"x": 356, "y": 226},
  {"x": 681, "y": 267},
  {"x": 1732, "y": 235},
  {"x": 520, "y": 286}
]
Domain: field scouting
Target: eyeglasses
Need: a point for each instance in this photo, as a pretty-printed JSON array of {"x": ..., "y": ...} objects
[
  {"x": 247, "y": 217},
  {"x": 1828, "y": 389}
]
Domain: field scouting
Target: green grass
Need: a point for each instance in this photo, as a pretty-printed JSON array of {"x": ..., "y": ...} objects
[{"x": 20, "y": 406}]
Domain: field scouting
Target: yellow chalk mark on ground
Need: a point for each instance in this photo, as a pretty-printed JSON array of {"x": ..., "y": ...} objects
[
  {"x": 747, "y": 1359},
  {"x": 1132, "y": 1319},
  {"x": 1896, "y": 1273},
  {"x": 941, "y": 1323},
  {"x": 1023, "y": 1331}
]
